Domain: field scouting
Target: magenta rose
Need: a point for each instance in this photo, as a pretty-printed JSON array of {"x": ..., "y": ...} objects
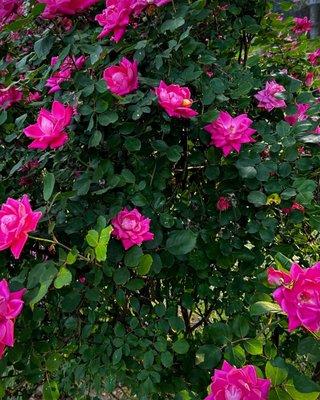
[
  {"x": 228, "y": 133},
  {"x": 301, "y": 25},
  {"x": 298, "y": 295},
  {"x": 271, "y": 96},
  {"x": 230, "y": 383},
  {"x": 314, "y": 57},
  {"x": 132, "y": 228},
  {"x": 223, "y": 204},
  {"x": 49, "y": 129},
  {"x": 176, "y": 100},
  {"x": 123, "y": 78},
  {"x": 65, "y": 7},
  {"x": 299, "y": 115},
  {"x": 11, "y": 305},
  {"x": 16, "y": 220},
  {"x": 9, "y": 96}
]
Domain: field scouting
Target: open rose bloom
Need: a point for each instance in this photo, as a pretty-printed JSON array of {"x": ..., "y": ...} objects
[
  {"x": 9, "y": 96},
  {"x": 123, "y": 78},
  {"x": 228, "y": 133},
  {"x": 176, "y": 100},
  {"x": 299, "y": 115},
  {"x": 271, "y": 96},
  {"x": 11, "y": 305},
  {"x": 314, "y": 57},
  {"x": 298, "y": 295},
  {"x": 230, "y": 383},
  {"x": 65, "y": 7},
  {"x": 16, "y": 220},
  {"x": 49, "y": 129},
  {"x": 10, "y": 10},
  {"x": 132, "y": 228}
]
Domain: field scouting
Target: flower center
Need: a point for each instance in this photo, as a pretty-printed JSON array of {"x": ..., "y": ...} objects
[
  {"x": 186, "y": 103},
  {"x": 128, "y": 224},
  {"x": 233, "y": 393}
]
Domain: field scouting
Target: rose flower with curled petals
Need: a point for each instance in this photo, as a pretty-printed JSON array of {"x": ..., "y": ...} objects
[
  {"x": 49, "y": 129},
  {"x": 176, "y": 100},
  {"x": 16, "y": 220},
  {"x": 271, "y": 96},
  {"x": 123, "y": 78},
  {"x": 131, "y": 227}
]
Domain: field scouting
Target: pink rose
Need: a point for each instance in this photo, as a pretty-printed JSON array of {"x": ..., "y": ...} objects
[
  {"x": 49, "y": 129},
  {"x": 228, "y": 133},
  {"x": 33, "y": 96},
  {"x": 231, "y": 383},
  {"x": 65, "y": 7},
  {"x": 176, "y": 100},
  {"x": 9, "y": 96},
  {"x": 223, "y": 204},
  {"x": 11, "y": 305},
  {"x": 16, "y": 220},
  {"x": 314, "y": 57},
  {"x": 298, "y": 295},
  {"x": 132, "y": 228},
  {"x": 271, "y": 96},
  {"x": 123, "y": 78},
  {"x": 115, "y": 18},
  {"x": 301, "y": 25},
  {"x": 299, "y": 115},
  {"x": 317, "y": 130},
  {"x": 309, "y": 79},
  {"x": 10, "y": 10}
]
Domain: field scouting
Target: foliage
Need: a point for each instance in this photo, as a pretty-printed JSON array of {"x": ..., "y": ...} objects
[{"x": 157, "y": 319}]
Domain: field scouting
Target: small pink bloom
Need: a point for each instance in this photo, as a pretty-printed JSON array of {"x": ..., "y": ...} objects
[
  {"x": 231, "y": 383},
  {"x": 9, "y": 11},
  {"x": 9, "y": 96},
  {"x": 115, "y": 18},
  {"x": 82, "y": 279},
  {"x": 317, "y": 130},
  {"x": 49, "y": 129},
  {"x": 286, "y": 210},
  {"x": 309, "y": 79},
  {"x": 299, "y": 115},
  {"x": 271, "y": 96},
  {"x": 123, "y": 78},
  {"x": 176, "y": 100},
  {"x": 297, "y": 206},
  {"x": 11, "y": 305},
  {"x": 314, "y": 57},
  {"x": 228, "y": 133},
  {"x": 299, "y": 295},
  {"x": 301, "y": 25},
  {"x": 67, "y": 24},
  {"x": 132, "y": 228},
  {"x": 35, "y": 96},
  {"x": 223, "y": 204},
  {"x": 65, "y": 7},
  {"x": 16, "y": 220}
]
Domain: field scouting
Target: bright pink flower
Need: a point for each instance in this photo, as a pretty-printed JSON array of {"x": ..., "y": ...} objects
[
  {"x": 16, "y": 220},
  {"x": 132, "y": 228},
  {"x": 67, "y": 23},
  {"x": 65, "y": 7},
  {"x": 10, "y": 10},
  {"x": 298, "y": 295},
  {"x": 223, "y": 204},
  {"x": 299, "y": 115},
  {"x": 123, "y": 78},
  {"x": 231, "y": 383},
  {"x": 35, "y": 96},
  {"x": 49, "y": 129},
  {"x": 228, "y": 133},
  {"x": 297, "y": 207},
  {"x": 271, "y": 96},
  {"x": 301, "y": 25},
  {"x": 176, "y": 100},
  {"x": 314, "y": 57},
  {"x": 11, "y": 305},
  {"x": 317, "y": 130},
  {"x": 9, "y": 96},
  {"x": 309, "y": 79},
  {"x": 115, "y": 18}
]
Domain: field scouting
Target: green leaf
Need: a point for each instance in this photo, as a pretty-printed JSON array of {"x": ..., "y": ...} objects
[
  {"x": 264, "y": 307},
  {"x": 92, "y": 238},
  {"x": 133, "y": 257},
  {"x": 181, "y": 242},
  {"x": 253, "y": 346},
  {"x": 48, "y": 185},
  {"x": 64, "y": 278},
  {"x": 166, "y": 359},
  {"x": 107, "y": 118},
  {"x": 121, "y": 276},
  {"x": 181, "y": 346},
  {"x": 276, "y": 373},
  {"x": 43, "y": 46},
  {"x": 145, "y": 264},
  {"x": 172, "y": 24},
  {"x": 148, "y": 359},
  {"x": 257, "y": 198},
  {"x": 50, "y": 391},
  {"x": 208, "y": 356}
]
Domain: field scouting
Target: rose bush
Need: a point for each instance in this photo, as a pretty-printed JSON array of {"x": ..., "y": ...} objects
[{"x": 170, "y": 183}]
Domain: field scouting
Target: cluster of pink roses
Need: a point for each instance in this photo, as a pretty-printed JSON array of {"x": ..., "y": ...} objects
[
  {"x": 301, "y": 25},
  {"x": 116, "y": 16},
  {"x": 68, "y": 66},
  {"x": 10, "y": 10},
  {"x": 65, "y": 7},
  {"x": 314, "y": 57}
]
